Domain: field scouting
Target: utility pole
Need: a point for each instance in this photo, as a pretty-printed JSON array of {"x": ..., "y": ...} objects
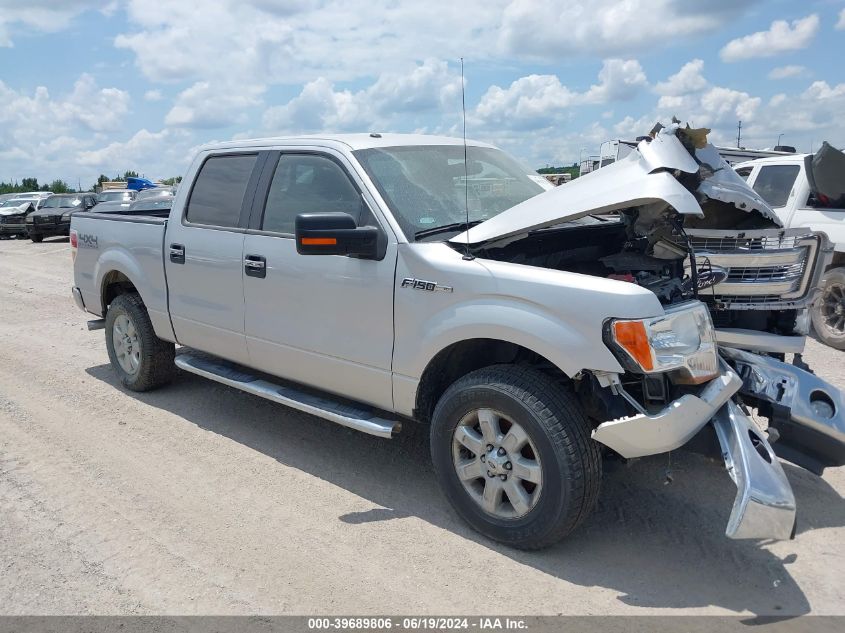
[
  {"x": 739, "y": 134},
  {"x": 779, "y": 137}
]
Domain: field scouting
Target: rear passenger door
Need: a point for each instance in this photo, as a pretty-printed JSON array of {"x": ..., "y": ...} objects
[
  {"x": 325, "y": 320},
  {"x": 203, "y": 256}
]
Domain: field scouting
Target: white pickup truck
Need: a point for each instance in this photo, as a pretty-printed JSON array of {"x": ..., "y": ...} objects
[
  {"x": 379, "y": 280},
  {"x": 808, "y": 191}
]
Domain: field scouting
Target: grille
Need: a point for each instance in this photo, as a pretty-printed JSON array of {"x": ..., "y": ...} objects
[
  {"x": 789, "y": 272},
  {"x": 736, "y": 244},
  {"x": 47, "y": 219},
  {"x": 762, "y": 270}
]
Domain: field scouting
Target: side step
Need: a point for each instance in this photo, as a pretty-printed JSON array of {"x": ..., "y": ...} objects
[{"x": 353, "y": 416}]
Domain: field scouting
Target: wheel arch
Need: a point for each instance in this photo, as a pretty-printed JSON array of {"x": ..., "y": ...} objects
[
  {"x": 462, "y": 357},
  {"x": 115, "y": 283}
]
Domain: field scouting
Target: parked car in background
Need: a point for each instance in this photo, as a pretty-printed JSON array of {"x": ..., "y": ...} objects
[
  {"x": 808, "y": 191},
  {"x": 13, "y": 214},
  {"x": 110, "y": 195},
  {"x": 53, "y": 218},
  {"x": 114, "y": 206},
  {"x": 151, "y": 205},
  {"x": 156, "y": 192}
]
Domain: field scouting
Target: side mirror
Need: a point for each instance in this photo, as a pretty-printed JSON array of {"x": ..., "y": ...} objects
[{"x": 337, "y": 234}]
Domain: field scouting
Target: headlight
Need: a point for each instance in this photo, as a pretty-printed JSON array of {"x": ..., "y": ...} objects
[
  {"x": 66, "y": 215},
  {"x": 30, "y": 219},
  {"x": 681, "y": 341}
]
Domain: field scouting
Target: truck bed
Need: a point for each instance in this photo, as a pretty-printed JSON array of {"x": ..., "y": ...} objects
[{"x": 119, "y": 243}]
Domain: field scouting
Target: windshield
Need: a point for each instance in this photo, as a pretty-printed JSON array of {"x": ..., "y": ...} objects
[
  {"x": 14, "y": 202},
  {"x": 426, "y": 186},
  {"x": 61, "y": 202},
  {"x": 108, "y": 196}
]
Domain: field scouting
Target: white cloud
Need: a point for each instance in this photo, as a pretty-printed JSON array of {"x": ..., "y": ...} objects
[
  {"x": 95, "y": 109},
  {"x": 784, "y": 72},
  {"x": 210, "y": 105},
  {"x": 540, "y": 100},
  {"x": 689, "y": 95},
  {"x": 840, "y": 26},
  {"x": 687, "y": 80},
  {"x": 549, "y": 31},
  {"x": 780, "y": 37},
  {"x": 47, "y": 16},
  {"x": 152, "y": 154},
  {"x": 273, "y": 42},
  {"x": 293, "y": 42},
  {"x": 39, "y": 132},
  {"x": 619, "y": 80},
  {"x": 429, "y": 86},
  {"x": 153, "y": 95}
]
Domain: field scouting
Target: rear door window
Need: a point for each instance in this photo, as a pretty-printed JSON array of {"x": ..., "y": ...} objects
[
  {"x": 774, "y": 182},
  {"x": 218, "y": 193}
]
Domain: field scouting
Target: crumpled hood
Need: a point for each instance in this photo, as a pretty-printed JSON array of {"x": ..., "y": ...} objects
[
  {"x": 14, "y": 210},
  {"x": 650, "y": 175}
]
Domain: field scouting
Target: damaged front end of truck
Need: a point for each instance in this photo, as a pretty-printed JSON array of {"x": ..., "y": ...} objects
[{"x": 673, "y": 217}]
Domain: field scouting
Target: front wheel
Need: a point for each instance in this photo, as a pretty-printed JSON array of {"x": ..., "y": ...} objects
[
  {"x": 141, "y": 359},
  {"x": 36, "y": 237},
  {"x": 829, "y": 312},
  {"x": 512, "y": 451}
]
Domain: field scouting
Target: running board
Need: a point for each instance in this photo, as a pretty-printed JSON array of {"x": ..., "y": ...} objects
[{"x": 349, "y": 415}]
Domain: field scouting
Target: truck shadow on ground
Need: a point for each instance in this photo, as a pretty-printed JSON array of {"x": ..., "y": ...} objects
[{"x": 660, "y": 545}]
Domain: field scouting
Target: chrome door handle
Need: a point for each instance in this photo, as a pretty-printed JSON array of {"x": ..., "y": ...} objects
[{"x": 255, "y": 266}]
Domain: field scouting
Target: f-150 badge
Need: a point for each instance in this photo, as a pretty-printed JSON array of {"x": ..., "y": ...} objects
[{"x": 422, "y": 284}]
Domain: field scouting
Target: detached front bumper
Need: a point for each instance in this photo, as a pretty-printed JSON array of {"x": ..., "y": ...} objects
[
  {"x": 806, "y": 427},
  {"x": 672, "y": 427},
  {"x": 807, "y": 412},
  {"x": 764, "y": 507}
]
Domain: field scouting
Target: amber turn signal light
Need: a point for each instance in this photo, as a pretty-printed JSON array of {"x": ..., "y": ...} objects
[
  {"x": 319, "y": 241},
  {"x": 631, "y": 336}
]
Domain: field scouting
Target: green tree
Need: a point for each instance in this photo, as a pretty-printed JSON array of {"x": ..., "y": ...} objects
[
  {"x": 29, "y": 184},
  {"x": 59, "y": 186},
  {"x": 129, "y": 174},
  {"x": 174, "y": 180}
]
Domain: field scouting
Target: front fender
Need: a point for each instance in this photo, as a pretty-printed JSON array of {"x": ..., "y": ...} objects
[{"x": 503, "y": 319}]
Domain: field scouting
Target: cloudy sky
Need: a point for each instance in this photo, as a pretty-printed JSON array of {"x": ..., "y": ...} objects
[{"x": 89, "y": 87}]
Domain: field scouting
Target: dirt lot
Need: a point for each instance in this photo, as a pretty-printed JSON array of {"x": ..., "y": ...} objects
[{"x": 200, "y": 499}]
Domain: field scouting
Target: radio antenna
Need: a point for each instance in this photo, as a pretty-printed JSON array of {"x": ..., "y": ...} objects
[{"x": 467, "y": 255}]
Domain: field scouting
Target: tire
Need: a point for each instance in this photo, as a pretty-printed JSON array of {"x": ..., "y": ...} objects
[
  {"x": 36, "y": 237},
  {"x": 141, "y": 359},
  {"x": 558, "y": 446},
  {"x": 828, "y": 314}
]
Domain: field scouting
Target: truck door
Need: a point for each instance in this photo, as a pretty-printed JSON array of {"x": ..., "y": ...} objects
[
  {"x": 203, "y": 253},
  {"x": 324, "y": 320}
]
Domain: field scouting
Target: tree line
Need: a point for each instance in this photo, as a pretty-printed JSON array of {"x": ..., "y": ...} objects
[{"x": 60, "y": 186}]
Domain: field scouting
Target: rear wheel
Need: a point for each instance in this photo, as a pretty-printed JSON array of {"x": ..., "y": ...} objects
[
  {"x": 512, "y": 452},
  {"x": 829, "y": 312},
  {"x": 36, "y": 237},
  {"x": 141, "y": 359}
]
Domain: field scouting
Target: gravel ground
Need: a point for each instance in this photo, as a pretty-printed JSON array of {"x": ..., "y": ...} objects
[{"x": 200, "y": 499}]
